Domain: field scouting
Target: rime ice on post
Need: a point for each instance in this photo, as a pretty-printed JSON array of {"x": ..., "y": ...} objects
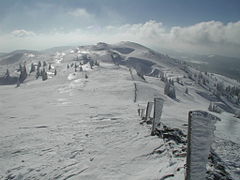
[
  {"x": 142, "y": 113},
  {"x": 149, "y": 110},
  {"x": 158, "y": 105},
  {"x": 201, "y": 126}
]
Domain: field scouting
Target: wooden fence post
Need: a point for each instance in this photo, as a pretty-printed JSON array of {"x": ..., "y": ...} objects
[
  {"x": 188, "y": 167},
  {"x": 158, "y": 105},
  {"x": 149, "y": 110},
  {"x": 201, "y": 126}
]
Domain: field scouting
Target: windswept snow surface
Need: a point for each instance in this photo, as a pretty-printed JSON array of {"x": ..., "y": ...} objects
[
  {"x": 66, "y": 128},
  {"x": 70, "y": 127}
]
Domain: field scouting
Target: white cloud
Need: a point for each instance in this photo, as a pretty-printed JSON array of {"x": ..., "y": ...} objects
[
  {"x": 205, "y": 37},
  {"x": 81, "y": 13},
  {"x": 21, "y": 33}
]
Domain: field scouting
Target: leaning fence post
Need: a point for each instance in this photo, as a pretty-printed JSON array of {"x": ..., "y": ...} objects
[
  {"x": 158, "y": 105},
  {"x": 149, "y": 110}
]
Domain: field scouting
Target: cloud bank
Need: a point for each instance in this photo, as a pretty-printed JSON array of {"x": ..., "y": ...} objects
[{"x": 202, "y": 38}]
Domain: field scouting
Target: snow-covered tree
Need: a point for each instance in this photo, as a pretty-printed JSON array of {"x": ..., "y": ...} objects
[
  {"x": 7, "y": 74},
  {"x": 210, "y": 107},
  {"x": 49, "y": 67},
  {"x": 214, "y": 108},
  {"x": 32, "y": 68},
  {"x": 44, "y": 75},
  {"x": 23, "y": 74},
  {"x": 37, "y": 74},
  {"x": 169, "y": 90},
  {"x": 166, "y": 87},
  {"x": 80, "y": 69},
  {"x": 96, "y": 63},
  {"x": 44, "y": 64},
  {"x": 91, "y": 64},
  {"x": 39, "y": 64}
]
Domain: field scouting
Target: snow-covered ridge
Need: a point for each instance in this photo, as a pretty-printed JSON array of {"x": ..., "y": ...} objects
[{"x": 83, "y": 123}]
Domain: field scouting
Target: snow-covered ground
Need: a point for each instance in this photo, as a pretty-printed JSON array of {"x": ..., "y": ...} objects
[{"x": 70, "y": 127}]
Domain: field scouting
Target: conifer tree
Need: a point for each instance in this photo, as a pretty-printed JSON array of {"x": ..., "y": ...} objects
[
  {"x": 23, "y": 74},
  {"x": 80, "y": 69},
  {"x": 49, "y": 67},
  {"x": 44, "y": 75},
  {"x": 39, "y": 64},
  {"x": 32, "y": 68},
  {"x": 44, "y": 64},
  {"x": 7, "y": 74}
]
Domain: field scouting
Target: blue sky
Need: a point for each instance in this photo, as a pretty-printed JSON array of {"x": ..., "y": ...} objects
[{"x": 186, "y": 23}]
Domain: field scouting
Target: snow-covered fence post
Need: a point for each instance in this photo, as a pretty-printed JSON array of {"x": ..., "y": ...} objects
[
  {"x": 200, "y": 136},
  {"x": 149, "y": 110},
  {"x": 135, "y": 92},
  {"x": 158, "y": 105},
  {"x": 142, "y": 113}
]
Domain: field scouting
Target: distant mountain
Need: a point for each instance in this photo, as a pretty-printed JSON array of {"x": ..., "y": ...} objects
[
  {"x": 227, "y": 66},
  {"x": 2, "y": 54},
  {"x": 55, "y": 49},
  {"x": 223, "y": 65},
  {"x": 14, "y": 57}
]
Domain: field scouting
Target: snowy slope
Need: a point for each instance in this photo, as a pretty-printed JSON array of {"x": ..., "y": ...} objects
[{"x": 70, "y": 127}]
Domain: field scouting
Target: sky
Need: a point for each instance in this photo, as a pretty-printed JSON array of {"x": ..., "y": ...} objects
[{"x": 189, "y": 26}]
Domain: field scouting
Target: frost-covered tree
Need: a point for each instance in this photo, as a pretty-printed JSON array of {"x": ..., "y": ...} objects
[
  {"x": 49, "y": 67},
  {"x": 214, "y": 108},
  {"x": 23, "y": 74},
  {"x": 97, "y": 63},
  {"x": 220, "y": 87},
  {"x": 39, "y": 64},
  {"x": 37, "y": 73},
  {"x": 7, "y": 74},
  {"x": 18, "y": 82},
  {"x": 210, "y": 107},
  {"x": 166, "y": 87},
  {"x": 44, "y": 75},
  {"x": 80, "y": 69},
  {"x": 172, "y": 92},
  {"x": 91, "y": 64},
  {"x": 19, "y": 68},
  {"x": 44, "y": 64},
  {"x": 32, "y": 68},
  {"x": 169, "y": 90}
]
